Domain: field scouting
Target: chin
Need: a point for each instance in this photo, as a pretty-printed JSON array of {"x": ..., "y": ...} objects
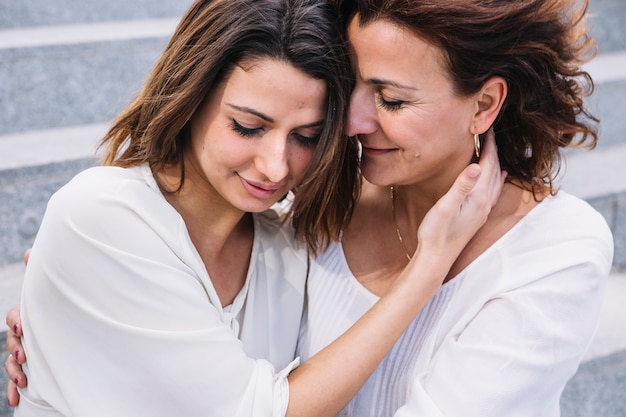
[
  {"x": 258, "y": 206},
  {"x": 379, "y": 180},
  {"x": 377, "y": 175}
]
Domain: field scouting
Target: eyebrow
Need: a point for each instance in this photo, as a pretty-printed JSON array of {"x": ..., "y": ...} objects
[
  {"x": 377, "y": 81},
  {"x": 252, "y": 111},
  {"x": 269, "y": 119}
]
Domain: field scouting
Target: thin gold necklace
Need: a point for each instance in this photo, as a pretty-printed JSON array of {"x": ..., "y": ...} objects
[{"x": 395, "y": 222}]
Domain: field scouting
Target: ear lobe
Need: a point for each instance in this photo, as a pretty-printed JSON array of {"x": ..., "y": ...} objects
[{"x": 489, "y": 102}]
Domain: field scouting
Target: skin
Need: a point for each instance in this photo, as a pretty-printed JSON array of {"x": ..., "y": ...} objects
[
  {"x": 251, "y": 142},
  {"x": 417, "y": 135},
  {"x": 323, "y": 385}
]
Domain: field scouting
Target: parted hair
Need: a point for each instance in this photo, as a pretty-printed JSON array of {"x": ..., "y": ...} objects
[
  {"x": 537, "y": 46},
  {"x": 213, "y": 37}
]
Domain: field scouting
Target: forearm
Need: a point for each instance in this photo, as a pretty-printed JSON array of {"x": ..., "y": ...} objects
[
  {"x": 330, "y": 379},
  {"x": 324, "y": 384}
]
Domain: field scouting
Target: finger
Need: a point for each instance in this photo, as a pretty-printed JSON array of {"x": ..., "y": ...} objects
[
  {"x": 15, "y": 372},
  {"x": 26, "y": 256},
  {"x": 461, "y": 189},
  {"x": 14, "y": 322},
  {"x": 15, "y": 348},
  {"x": 13, "y": 396},
  {"x": 468, "y": 178}
]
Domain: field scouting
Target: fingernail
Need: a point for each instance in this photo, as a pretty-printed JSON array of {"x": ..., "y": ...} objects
[
  {"x": 17, "y": 381},
  {"x": 15, "y": 328},
  {"x": 17, "y": 354}
]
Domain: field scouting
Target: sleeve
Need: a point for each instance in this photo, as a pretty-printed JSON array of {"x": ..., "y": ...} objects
[
  {"x": 118, "y": 321},
  {"x": 513, "y": 354}
]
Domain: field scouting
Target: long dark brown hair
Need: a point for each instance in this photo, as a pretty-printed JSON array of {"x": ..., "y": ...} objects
[
  {"x": 213, "y": 37},
  {"x": 537, "y": 46}
]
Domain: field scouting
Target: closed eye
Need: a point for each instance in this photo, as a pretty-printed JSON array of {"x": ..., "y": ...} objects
[
  {"x": 307, "y": 141},
  {"x": 243, "y": 130},
  {"x": 391, "y": 105},
  {"x": 246, "y": 132}
]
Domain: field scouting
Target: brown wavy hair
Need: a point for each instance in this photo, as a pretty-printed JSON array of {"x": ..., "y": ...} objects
[
  {"x": 213, "y": 37},
  {"x": 537, "y": 46}
]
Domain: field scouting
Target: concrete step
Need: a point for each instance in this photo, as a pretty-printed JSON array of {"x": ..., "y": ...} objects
[
  {"x": 61, "y": 87},
  {"x": 599, "y": 177},
  {"x": 75, "y": 75},
  {"x": 28, "y": 178},
  {"x": 29, "y": 13},
  {"x": 597, "y": 389},
  {"x": 607, "y": 103},
  {"x": 608, "y": 24}
]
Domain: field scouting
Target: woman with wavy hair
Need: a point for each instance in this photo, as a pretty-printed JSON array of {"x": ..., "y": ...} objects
[{"x": 517, "y": 311}]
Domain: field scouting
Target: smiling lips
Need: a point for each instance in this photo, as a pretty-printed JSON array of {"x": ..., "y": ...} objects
[
  {"x": 260, "y": 190},
  {"x": 376, "y": 152}
]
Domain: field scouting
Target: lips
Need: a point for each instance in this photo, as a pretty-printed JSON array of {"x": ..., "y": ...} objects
[
  {"x": 260, "y": 190},
  {"x": 376, "y": 151}
]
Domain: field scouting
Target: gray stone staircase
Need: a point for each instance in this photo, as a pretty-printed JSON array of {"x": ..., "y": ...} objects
[
  {"x": 67, "y": 68},
  {"x": 600, "y": 176}
]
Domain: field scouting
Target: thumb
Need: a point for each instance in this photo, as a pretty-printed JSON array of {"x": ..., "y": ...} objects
[
  {"x": 456, "y": 197},
  {"x": 466, "y": 182}
]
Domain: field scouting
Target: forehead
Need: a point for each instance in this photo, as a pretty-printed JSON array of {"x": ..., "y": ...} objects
[
  {"x": 268, "y": 74},
  {"x": 275, "y": 88},
  {"x": 382, "y": 46}
]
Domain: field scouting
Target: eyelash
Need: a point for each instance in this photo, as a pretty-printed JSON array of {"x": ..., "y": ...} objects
[
  {"x": 307, "y": 141},
  {"x": 246, "y": 132},
  {"x": 389, "y": 105}
]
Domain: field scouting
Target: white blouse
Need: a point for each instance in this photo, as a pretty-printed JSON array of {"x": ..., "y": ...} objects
[
  {"x": 121, "y": 318},
  {"x": 500, "y": 339}
]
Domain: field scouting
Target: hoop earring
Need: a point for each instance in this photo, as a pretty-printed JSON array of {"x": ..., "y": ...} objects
[{"x": 477, "y": 145}]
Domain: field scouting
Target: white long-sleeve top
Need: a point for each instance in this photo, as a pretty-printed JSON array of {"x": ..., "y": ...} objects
[
  {"x": 121, "y": 318},
  {"x": 500, "y": 339}
]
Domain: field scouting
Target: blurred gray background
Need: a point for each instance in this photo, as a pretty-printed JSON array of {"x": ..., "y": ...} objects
[{"x": 68, "y": 67}]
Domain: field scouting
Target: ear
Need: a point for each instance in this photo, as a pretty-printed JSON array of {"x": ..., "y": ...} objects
[{"x": 489, "y": 101}]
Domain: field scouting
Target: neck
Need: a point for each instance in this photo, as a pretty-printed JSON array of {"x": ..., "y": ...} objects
[
  {"x": 222, "y": 234},
  {"x": 410, "y": 205},
  {"x": 210, "y": 220}
]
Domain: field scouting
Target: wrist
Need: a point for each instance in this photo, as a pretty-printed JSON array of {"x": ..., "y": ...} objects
[{"x": 427, "y": 270}]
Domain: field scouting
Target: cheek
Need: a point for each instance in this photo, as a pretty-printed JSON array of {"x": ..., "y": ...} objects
[
  {"x": 407, "y": 130},
  {"x": 224, "y": 145},
  {"x": 300, "y": 161}
]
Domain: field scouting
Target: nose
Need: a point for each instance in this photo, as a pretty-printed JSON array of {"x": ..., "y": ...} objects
[
  {"x": 362, "y": 112},
  {"x": 272, "y": 159}
]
